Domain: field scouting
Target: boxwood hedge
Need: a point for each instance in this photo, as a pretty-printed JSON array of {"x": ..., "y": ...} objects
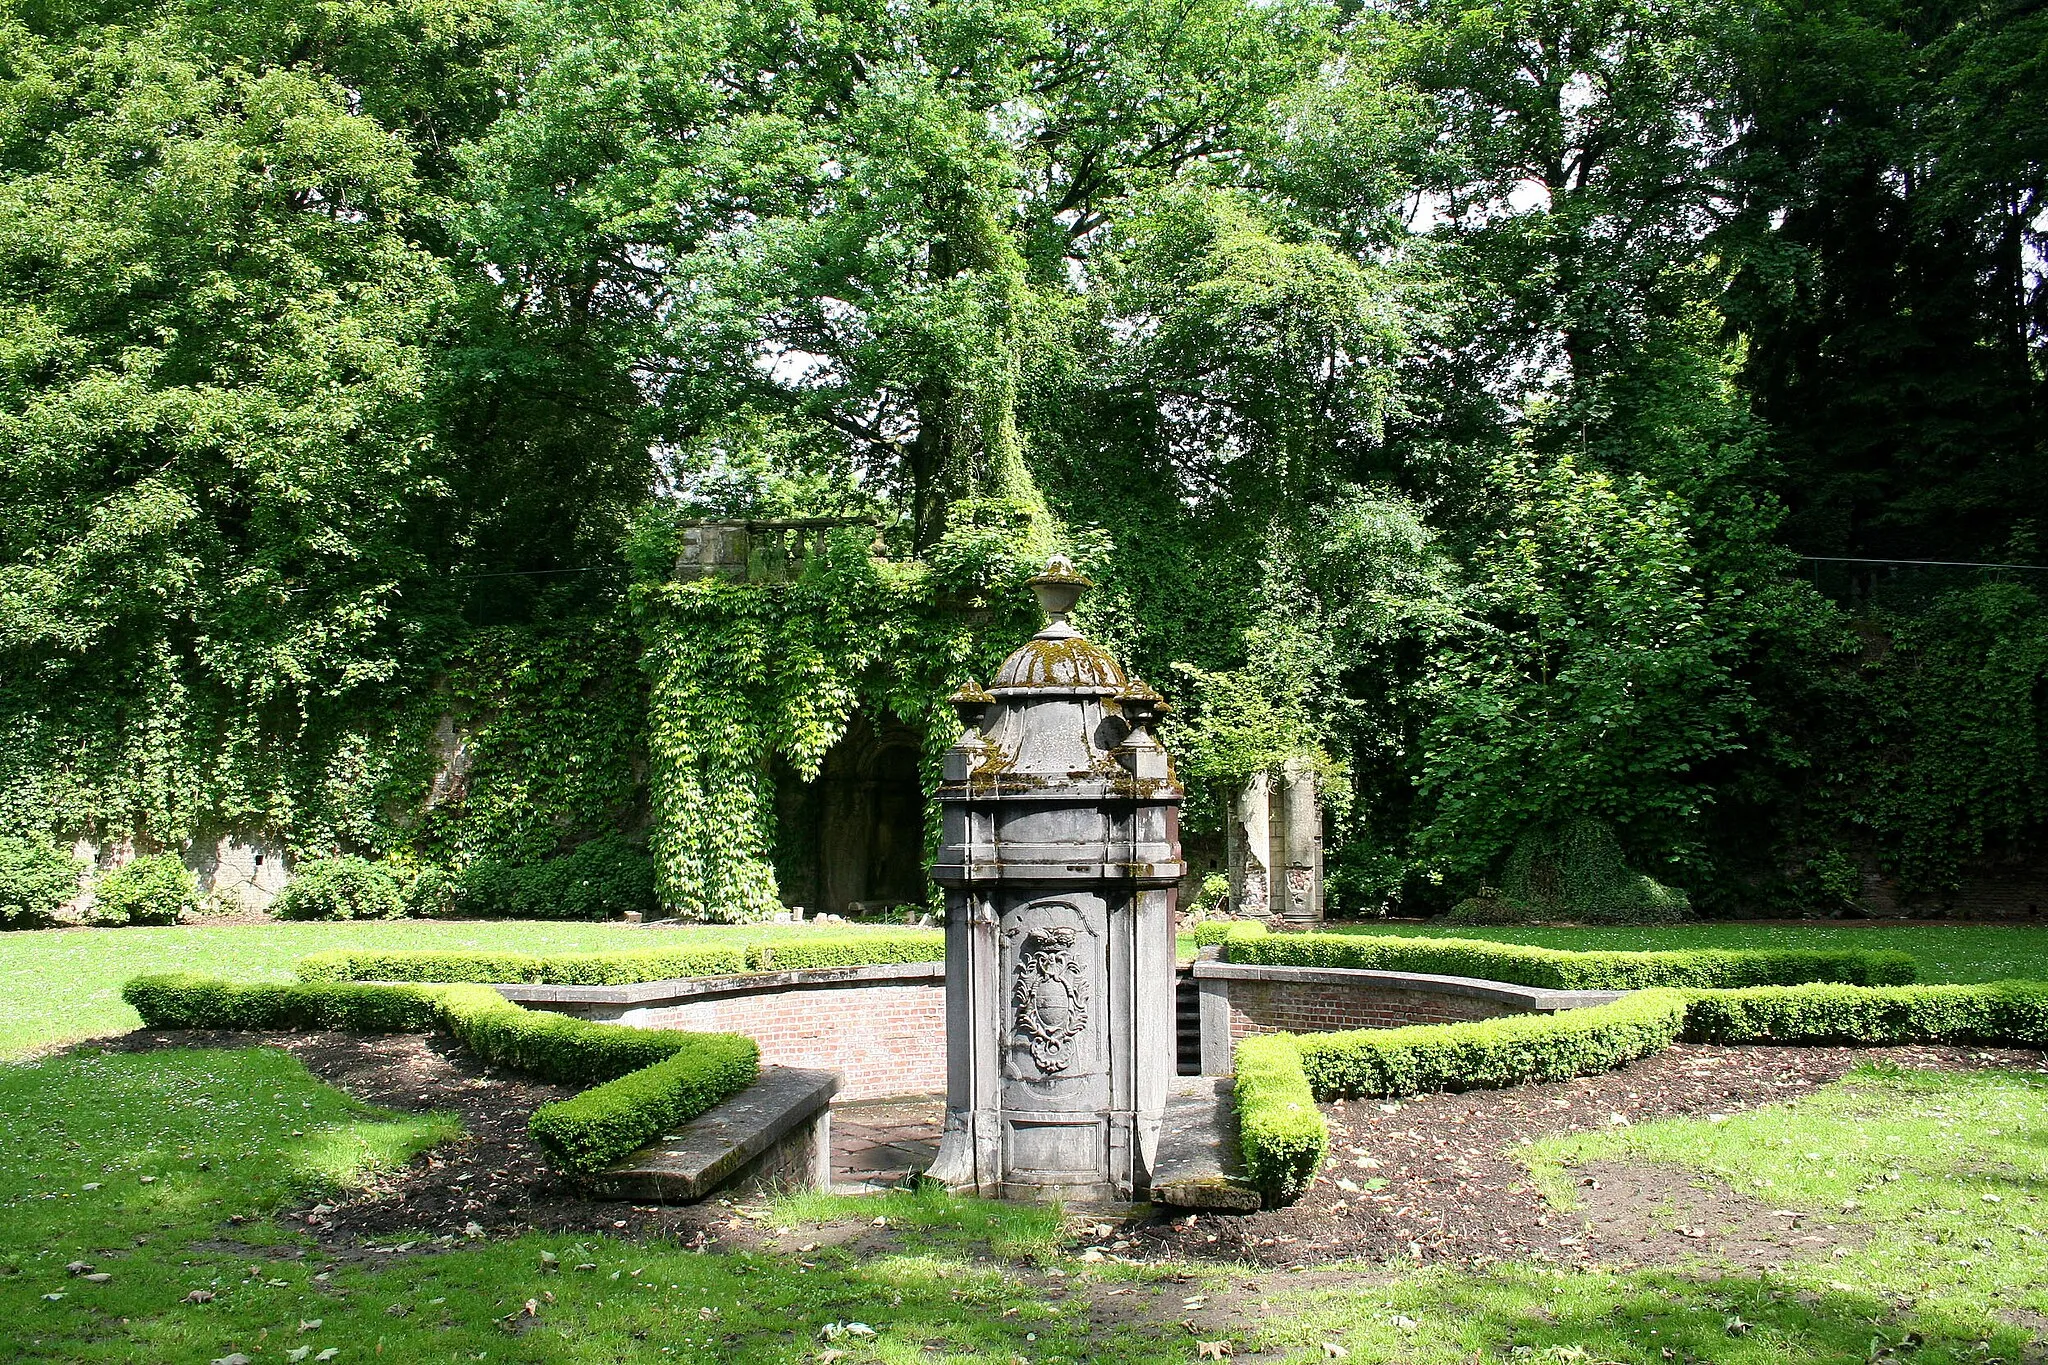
[
  {"x": 647, "y": 1080},
  {"x": 1280, "y": 1131},
  {"x": 626, "y": 968},
  {"x": 1500, "y": 1052},
  {"x": 1559, "y": 969}
]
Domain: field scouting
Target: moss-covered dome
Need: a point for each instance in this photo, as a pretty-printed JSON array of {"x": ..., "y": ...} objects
[{"x": 1060, "y": 659}]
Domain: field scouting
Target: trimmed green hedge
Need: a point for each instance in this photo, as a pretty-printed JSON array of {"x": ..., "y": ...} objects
[
  {"x": 556, "y": 969},
  {"x": 621, "y": 969},
  {"x": 590, "y": 1131},
  {"x": 1491, "y": 1053},
  {"x": 2001, "y": 1012},
  {"x": 1280, "y": 1130},
  {"x": 1558, "y": 969},
  {"x": 651, "y": 1079}
]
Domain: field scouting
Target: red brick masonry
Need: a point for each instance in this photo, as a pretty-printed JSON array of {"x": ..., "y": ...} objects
[
  {"x": 883, "y": 1039},
  {"x": 882, "y": 1028},
  {"x": 1312, "y": 1007}
]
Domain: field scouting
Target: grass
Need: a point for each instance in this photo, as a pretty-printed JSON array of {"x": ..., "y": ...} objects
[
  {"x": 58, "y": 985},
  {"x": 236, "y": 1134},
  {"x": 239, "y": 1132},
  {"x": 1945, "y": 952}
]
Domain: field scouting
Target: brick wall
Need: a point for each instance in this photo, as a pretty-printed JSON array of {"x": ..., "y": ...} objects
[
  {"x": 1313, "y": 1007},
  {"x": 883, "y": 1039}
]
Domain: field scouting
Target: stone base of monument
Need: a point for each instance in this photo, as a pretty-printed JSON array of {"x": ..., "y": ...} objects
[
  {"x": 774, "y": 1136},
  {"x": 1200, "y": 1165}
]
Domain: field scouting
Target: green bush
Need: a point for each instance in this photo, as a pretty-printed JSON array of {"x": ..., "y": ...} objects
[
  {"x": 184, "y": 1000},
  {"x": 340, "y": 888},
  {"x": 153, "y": 890},
  {"x": 1491, "y": 1053},
  {"x": 620, "y": 969},
  {"x": 865, "y": 950},
  {"x": 1280, "y": 1130},
  {"x": 647, "y": 1080},
  {"x": 1558, "y": 969},
  {"x": 599, "y": 880},
  {"x": 2001, "y": 1012},
  {"x": 1576, "y": 873},
  {"x": 590, "y": 1131},
  {"x": 36, "y": 879}
]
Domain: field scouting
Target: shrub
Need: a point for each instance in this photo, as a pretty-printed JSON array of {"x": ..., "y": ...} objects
[
  {"x": 619, "y": 969},
  {"x": 2001, "y": 1012},
  {"x": 1491, "y": 1053},
  {"x": 184, "y": 1000},
  {"x": 153, "y": 890},
  {"x": 590, "y": 1131},
  {"x": 1577, "y": 872},
  {"x": 647, "y": 1080},
  {"x": 1281, "y": 1132},
  {"x": 1557, "y": 969},
  {"x": 866, "y": 950},
  {"x": 340, "y": 888},
  {"x": 36, "y": 879},
  {"x": 600, "y": 879}
]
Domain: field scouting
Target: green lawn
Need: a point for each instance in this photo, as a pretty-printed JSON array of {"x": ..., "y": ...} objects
[
  {"x": 1946, "y": 952},
  {"x": 62, "y": 984},
  {"x": 1938, "y": 1274}
]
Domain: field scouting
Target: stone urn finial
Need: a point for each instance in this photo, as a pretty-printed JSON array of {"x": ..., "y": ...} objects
[{"x": 1058, "y": 588}]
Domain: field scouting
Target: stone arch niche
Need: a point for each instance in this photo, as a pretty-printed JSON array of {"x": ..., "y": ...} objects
[{"x": 852, "y": 842}]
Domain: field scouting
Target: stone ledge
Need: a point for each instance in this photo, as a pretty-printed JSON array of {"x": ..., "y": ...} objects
[
  {"x": 675, "y": 990},
  {"x": 718, "y": 1145},
  {"x": 1200, "y": 1165},
  {"x": 1527, "y": 999}
]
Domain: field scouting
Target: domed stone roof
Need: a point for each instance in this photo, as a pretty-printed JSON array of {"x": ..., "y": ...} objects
[{"x": 1061, "y": 658}]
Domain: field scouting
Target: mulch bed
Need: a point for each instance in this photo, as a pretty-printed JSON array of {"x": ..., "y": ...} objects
[
  {"x": 1455, "y": 1194},
  {"x": 495, "y": 1178}
]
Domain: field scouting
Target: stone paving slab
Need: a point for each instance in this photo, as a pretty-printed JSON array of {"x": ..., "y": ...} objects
[
  {"x": 718, "y": 1145},
  {"x": 1200, "y": 1165},
  {"x": 881, "y": 1144}
]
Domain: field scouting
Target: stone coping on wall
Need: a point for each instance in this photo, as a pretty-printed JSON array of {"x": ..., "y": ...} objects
[
  {"x": 676, "y": 990},
  {"x": 1519, "y": 999}
]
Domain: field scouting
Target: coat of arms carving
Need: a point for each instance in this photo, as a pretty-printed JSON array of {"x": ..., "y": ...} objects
[{"x": 1049, "y": 997}]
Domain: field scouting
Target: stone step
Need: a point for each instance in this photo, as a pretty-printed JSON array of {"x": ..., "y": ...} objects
[
  {"x": 1199, "y": 1164},
  {"x": 776, "y": 1134}
]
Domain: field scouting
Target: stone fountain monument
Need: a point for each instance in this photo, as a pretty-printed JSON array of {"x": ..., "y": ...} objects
[{"x": 1060, "y": 852}]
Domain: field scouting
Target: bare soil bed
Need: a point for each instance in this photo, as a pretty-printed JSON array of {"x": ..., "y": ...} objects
[{"x": 1455, "y": 1192}]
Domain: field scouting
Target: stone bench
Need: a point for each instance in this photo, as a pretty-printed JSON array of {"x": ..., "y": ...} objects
[
  {"x": 775, "y": 1135},
  {"x": 1200, "y": 1165}
]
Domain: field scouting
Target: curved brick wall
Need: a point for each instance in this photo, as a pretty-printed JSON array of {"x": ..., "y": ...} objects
[
  {"x": 882, "y": 1028},
  {"x": 1240, "y": 999}
]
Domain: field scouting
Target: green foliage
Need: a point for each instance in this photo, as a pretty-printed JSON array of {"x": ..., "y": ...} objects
[
  {"x": 36, "y": 879},
  {"x": 339, "y": 888},
  {"x": 1492, "y": 1053},
  {"x": 1282, "y": 1134},
  {"x": 617, "y": 969},
  {"x": 187, "y": 1000},
  {"x": 2008, "y": 1012},
  {"x": 1575, "y": 873},
  {"x": 590, "y": 1131},
  {"x": 1560, "y": 969},
  {"x": 601, "y": 879},
  {"x": 671, "y": 1075},
  {"x": 154, "y": 889},
  {"x": 745, "y": 672}
]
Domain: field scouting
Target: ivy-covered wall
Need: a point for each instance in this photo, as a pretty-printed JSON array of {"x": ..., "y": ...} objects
[{"x": 742, "y": 673}]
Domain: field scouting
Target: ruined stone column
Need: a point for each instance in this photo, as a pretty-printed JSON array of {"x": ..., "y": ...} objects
[
  {"x": 1301, "y": 901},
  {"x": 1249, "y": 835},
  {"x": 1060, "y": 852}
]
